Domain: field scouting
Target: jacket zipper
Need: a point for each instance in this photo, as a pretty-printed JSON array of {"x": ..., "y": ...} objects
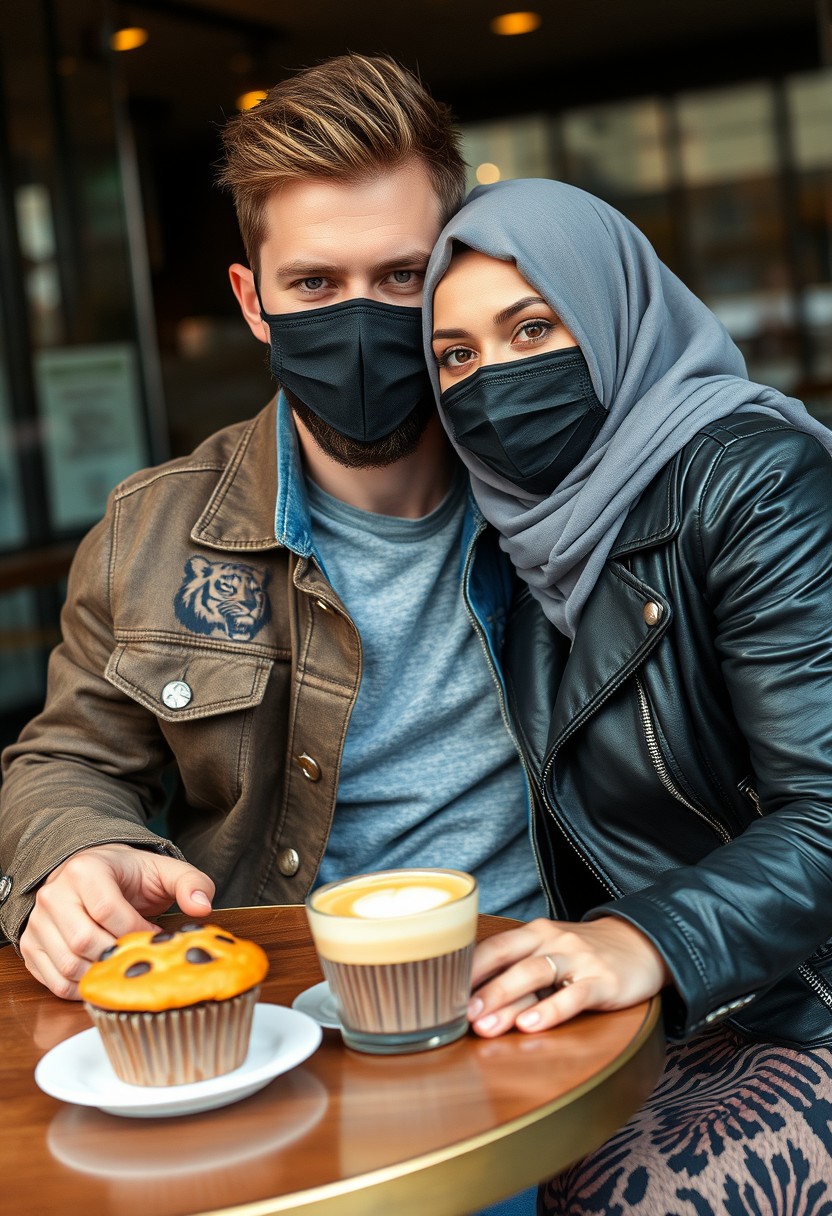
[
  {"x": 747, "y": 789},
  {"x": 659, "y": 765},
  {"x": 480, "y": 632},
  {"x": 820, "y": 988}
]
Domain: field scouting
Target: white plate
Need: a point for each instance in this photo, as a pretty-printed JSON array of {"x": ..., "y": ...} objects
[
  {"x": 77, "y": 1070},
  {"x": 320, "y": 1004}
]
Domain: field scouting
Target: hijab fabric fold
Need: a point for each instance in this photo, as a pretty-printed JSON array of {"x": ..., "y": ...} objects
[{"x": 660, "y": 361}]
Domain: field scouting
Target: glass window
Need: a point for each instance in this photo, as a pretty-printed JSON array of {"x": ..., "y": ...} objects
[
  {"x": 617, "y": 149},
  {"x": 12, "y": 526},
  {"x": 810, "y": 105},
  {"x": 726, "y": 134},
  {"x": 514, "y": 147},
  {"x": 22, "y": 645}
]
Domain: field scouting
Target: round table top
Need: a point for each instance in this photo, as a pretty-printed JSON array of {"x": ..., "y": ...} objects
[{"x": 344, "y": 1133}]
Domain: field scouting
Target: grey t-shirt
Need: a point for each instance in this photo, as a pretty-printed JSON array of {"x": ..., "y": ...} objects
[{"x": 430, "y": 775}]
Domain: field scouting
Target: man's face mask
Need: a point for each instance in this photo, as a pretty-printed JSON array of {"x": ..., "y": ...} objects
[
  {"x": 359, "y": 366},
  {"x": 531, "y": 420}
]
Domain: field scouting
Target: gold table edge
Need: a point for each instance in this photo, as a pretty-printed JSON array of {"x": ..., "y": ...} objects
[{"x": 405, "y": 1186}]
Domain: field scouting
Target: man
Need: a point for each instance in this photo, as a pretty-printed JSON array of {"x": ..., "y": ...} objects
[{"x": 304, "y": 629}]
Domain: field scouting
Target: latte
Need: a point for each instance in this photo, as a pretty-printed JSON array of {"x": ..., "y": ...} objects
[{"x": 396, "y": 948}]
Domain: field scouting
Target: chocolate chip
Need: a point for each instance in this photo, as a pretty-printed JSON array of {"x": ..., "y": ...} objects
[
  {"x": 220, "y": 937},
  {"x": 197, "y": 955},
  {"x": 136, "y": 969},
  {"x": 161, "y": 937},
  {"x": 106, "y": 953}
]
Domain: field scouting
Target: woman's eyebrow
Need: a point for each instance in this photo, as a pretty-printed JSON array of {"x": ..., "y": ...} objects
[
  {"x": 513, "y": 309},
  {"x": 450, "y": 333}
]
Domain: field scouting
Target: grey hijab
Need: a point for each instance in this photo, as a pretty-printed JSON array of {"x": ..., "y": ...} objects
[{"x": 660, "y": 361}]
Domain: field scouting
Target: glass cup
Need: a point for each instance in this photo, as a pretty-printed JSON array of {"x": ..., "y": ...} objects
[{"x": 396, "y": 949}]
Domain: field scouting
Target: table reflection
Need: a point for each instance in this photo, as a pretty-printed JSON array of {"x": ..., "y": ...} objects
[{"x": 192, "y": 1161}]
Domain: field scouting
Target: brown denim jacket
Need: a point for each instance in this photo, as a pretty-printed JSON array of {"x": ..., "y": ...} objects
[{"x": 190, "y": 634}]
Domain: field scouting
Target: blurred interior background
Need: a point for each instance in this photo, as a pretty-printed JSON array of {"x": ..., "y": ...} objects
[{"x": 708, "y": 123}]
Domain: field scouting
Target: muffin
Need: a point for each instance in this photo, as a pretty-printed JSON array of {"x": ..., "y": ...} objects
[{"x": 175, "y": 1006}]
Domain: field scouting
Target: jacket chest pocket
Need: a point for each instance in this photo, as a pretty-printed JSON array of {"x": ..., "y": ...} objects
[{"x": 202, "y": 699}]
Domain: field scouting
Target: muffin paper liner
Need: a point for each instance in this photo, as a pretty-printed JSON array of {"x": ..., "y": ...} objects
[{"x": 177, "y": 1046}]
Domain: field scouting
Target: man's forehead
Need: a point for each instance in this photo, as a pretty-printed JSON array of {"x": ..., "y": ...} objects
[{"x": 379, "y": 220}]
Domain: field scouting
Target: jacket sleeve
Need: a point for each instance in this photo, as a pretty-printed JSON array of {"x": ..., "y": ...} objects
[
  {"x": 754, "y": 909},
  {"x": 88, "y": 769}
]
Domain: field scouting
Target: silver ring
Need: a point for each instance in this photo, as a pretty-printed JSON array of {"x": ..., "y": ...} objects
[{"x": 554, "y": 967}]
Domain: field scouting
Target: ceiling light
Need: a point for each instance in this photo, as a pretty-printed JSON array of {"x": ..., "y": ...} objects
[
  {"x": 128, "y": 38},
  {"x": 487, "y": 173},
  {"x": 515, "y": 23},
  {"x": 247, "y": 101}
]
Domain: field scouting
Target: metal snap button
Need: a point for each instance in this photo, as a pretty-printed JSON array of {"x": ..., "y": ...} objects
[
  {"x": 5, "y": 887},
  {"x": 177, "y": 694},
  {"x": 323, "y": 605},
  {"x": 288, "y": 862},
  {"x": 652, "y": 613},
  {"x": 308, "y": 766}
]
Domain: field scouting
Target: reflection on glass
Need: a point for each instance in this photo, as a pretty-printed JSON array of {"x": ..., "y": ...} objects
[
  {"x": 810, "y": 106},
  {"x": 620, "y": 149},
  {"x": 514, "y": 147},
  {"x": 12, "y": 528},
  {"x": 21, "y": 644},
  {"x": 727, "y": 134}
]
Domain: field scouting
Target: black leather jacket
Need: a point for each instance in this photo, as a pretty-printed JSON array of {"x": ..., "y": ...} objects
[{"x": 681, "y": 752}]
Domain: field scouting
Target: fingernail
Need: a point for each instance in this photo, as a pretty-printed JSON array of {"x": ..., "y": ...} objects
[
  {"x": 199, "y": 897},
  {"x": 488, "y": 1023},
  {"x": 475, "y": 1008},
  {"x": 528, "y": 1019}
]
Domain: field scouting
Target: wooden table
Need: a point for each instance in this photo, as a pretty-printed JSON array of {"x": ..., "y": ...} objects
[{"x": 443, "y": 1132}]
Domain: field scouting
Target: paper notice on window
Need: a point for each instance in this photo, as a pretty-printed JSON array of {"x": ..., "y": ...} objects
[{"x": 93, "y": 434}]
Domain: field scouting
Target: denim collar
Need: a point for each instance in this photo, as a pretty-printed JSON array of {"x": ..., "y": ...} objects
[{"x": 292, "y": 522}]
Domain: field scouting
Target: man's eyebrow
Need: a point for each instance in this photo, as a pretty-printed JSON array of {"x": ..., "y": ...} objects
[
  {"x": 308, "y": 269},
  {"x": 513, "y": 309}
]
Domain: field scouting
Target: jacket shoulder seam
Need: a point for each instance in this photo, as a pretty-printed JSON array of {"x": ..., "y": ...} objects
[{"x": 125, "y": 491}]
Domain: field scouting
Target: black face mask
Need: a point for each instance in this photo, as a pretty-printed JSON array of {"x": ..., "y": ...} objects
[
  {"x": 531, "y": 420},
  {"x": 360, "y": 365}
]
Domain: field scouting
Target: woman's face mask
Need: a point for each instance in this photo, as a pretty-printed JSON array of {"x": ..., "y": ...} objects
[
  {"x": 531, "y": 420},
  {"x": 516, "y": 389}
]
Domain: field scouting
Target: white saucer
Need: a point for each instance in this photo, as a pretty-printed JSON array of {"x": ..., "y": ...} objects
[
  {"x": 77, "y": 1070},
  {"x": 320, "y": 1004}
]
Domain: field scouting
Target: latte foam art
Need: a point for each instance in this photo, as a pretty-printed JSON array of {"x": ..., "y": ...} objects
[{"x": 399, "y": 901}]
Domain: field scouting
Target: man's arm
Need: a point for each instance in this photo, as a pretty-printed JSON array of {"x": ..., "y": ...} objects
[{"x": 85, "y": 773}]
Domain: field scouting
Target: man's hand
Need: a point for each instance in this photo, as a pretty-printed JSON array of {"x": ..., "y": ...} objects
[
  {"x": 548, "y": 971},
  {"x": 94, "y": 897}
]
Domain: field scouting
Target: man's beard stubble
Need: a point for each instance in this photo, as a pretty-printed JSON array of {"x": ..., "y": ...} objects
[{"x": 357, "y": 454}]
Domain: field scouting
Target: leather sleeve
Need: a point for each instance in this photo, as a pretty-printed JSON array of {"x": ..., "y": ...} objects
[
  {"x": 759, "y": 539},
  {"x": 88, "y": 769}
]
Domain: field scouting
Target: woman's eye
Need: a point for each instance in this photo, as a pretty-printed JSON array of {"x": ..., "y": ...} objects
[
  {"x": 455, "y": 358},
  {"x": 533, "y": 331}
]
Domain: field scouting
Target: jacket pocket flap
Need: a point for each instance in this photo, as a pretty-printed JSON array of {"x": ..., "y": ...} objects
[{"x": 178, "y": 683}]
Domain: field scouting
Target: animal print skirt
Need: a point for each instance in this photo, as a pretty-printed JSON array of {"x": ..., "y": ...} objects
[{"x": 732, "y": 1129}]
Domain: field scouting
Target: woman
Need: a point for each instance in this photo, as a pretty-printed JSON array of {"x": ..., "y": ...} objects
[{"x": 669, "y": 669}]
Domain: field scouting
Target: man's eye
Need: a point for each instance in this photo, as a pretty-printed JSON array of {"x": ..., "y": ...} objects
[
  {"x": 313, "y": 284},
  {"x": 402, "y": 276}
]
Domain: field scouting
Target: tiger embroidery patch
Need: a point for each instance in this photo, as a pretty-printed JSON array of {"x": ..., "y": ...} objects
[{"x": 223, "y": 599}]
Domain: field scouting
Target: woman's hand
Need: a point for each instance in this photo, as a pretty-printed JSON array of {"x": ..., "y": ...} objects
[{"x": 547, "y": 971}]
